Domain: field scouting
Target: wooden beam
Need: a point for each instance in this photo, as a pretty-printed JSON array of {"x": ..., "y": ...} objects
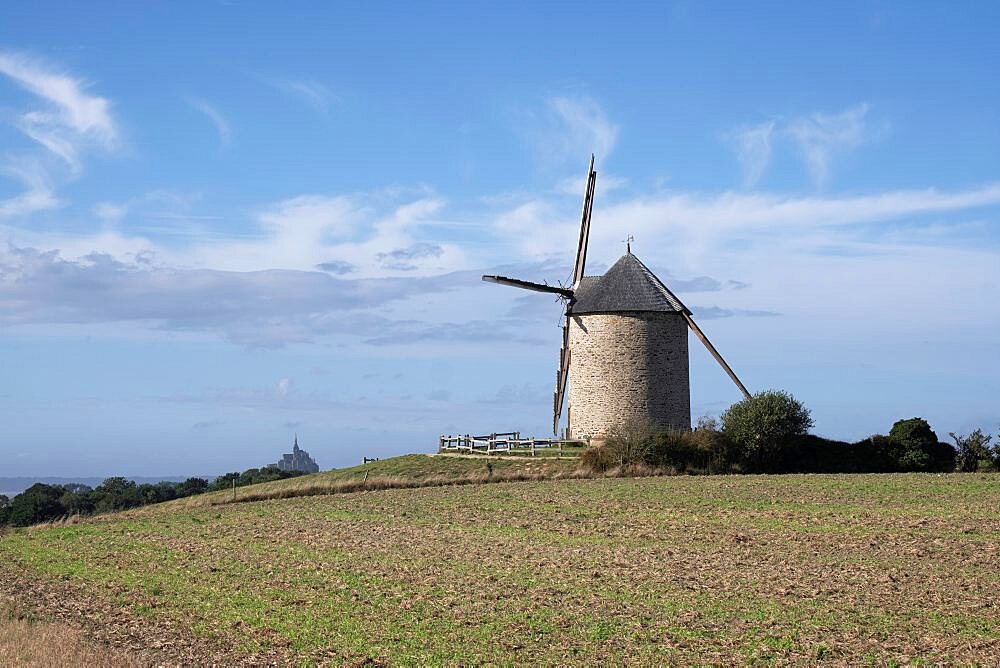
[{"x": 715, "y": 353}]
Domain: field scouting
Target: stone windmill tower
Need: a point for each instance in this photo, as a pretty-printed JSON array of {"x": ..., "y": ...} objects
[{"x": 625, "y": 345}]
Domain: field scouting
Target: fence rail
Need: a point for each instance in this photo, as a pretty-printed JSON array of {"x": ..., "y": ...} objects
[{"x": 509, "y": 441}]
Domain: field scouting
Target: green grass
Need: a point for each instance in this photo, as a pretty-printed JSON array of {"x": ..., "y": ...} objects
[{"x": 724, "y": 569}]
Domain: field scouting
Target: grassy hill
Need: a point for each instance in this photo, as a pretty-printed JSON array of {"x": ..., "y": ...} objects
[
  {"x": 745, "y": 569},
  {"x": 396, "y": 472}
]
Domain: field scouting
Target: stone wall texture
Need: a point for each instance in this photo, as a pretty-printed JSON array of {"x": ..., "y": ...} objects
[{"x": 629, "y": 366}]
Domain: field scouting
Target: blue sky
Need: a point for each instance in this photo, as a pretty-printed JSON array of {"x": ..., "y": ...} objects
[{"x": 225, "y": 223}]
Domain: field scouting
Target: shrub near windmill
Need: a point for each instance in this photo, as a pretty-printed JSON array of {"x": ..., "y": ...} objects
[{"x": 625, "y": 345}]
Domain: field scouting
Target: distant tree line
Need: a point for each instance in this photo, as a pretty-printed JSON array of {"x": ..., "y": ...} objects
[
  {"x": 45, "y": 503},
  {"x": 769, "y": 433}
]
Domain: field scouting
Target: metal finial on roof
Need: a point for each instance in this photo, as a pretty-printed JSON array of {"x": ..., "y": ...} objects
[{"x": 628, "y": 243}]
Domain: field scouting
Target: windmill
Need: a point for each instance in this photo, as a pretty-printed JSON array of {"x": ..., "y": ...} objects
[{"x": 624, "y": 343}]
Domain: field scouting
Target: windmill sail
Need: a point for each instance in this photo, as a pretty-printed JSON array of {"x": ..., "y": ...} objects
[
  {"x": 715, "y": 353},
  {"x": 528, "y": 285},
  {"x": 568, "y": 294},
  {"x": 588, "y": 206},
  {"x": 561, "y": 377}
]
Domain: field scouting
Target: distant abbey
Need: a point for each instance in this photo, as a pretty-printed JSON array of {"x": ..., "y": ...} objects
[{"x": 298, "y": 460}]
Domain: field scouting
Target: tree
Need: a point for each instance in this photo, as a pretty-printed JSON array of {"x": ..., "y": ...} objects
[
  {"x": 117, "y": 494},
  {"x": 77, "y": 488},
  {"x": 972, "y": 449},
  {"x": 77, "y": 502},
  {"x": 763, "y": 425},
  {"x": 38, "y": 503},
  {"x": 192, "y": 486},
  {"x": 224, "y": 481},
  {"x": 916, "y": 447},
  {"x": 4, "y": 510}
]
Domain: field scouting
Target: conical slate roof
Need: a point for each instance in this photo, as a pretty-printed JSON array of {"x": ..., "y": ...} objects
[{"x": 628, "y": 285}]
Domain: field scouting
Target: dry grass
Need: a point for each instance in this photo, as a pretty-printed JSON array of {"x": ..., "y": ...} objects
[
  {"x": 408, "y": 472},
  {"x": 69, "y": 520},
  {"x": 25, "y": 641},
  {"x": 390, "y": 482},
  {"x": 294, "y": 489}
]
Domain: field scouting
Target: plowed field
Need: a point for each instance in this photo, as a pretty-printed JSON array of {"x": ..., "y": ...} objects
[{"x": 724, "y": 569}]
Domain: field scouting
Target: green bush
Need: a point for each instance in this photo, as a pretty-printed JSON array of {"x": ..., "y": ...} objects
[
  {"x": 670, "y": 449},
  {"x": 629, "y": 444},
  {"x": 116, "y": 494},
  {"x": 764, "y": 425},
  {"x": 808, "y": 453},
  {"x": 973, "y": 451},
  {"x": 704, "y": 450},
  {"x": 915, "y": 447}
]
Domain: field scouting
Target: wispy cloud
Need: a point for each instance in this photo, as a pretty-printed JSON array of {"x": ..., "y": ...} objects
[
  {"x": 697, "y": 227},
  {"x": 818, "y": 138},
  {"x": 218, "y": 120},
  {"x": 585, "y": 124},
  {"x": 821, "y": 136},
  {"x": 753, "y": 146},
  {"x": 317, "y": 95},
  {"x": 72, "y": 119},
  {"x": 713, "y": 312},
  {"x": 606, "y": 183},
  {"x": 206, "y": 424},
  {"x": 568, "y": 129},
  {"x": 38, "y": 194},
  {"x": 110, "y": 212}
]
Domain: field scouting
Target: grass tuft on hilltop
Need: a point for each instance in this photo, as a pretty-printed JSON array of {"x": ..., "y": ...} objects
[{"x": 407, "y": 471}]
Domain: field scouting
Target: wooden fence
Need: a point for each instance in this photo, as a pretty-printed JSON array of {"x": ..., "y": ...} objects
[{"x": 510, "y": 441}]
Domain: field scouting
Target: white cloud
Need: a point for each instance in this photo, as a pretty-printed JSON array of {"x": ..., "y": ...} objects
[
  {"x": 585, "y": 125},
  {"x": 218, "y": 120},
  {"x": 38, "y": 195},
  {"x": 317, "y": 95},
  {"x": 265, "y": 309},
  {"x": 568, "y": 129},
  {"x": 820, "y": 137},
  {"x": 696, "y": 228},
  {"x": 606, "y": 183},
  {"x": 284, "y": 386},
  {"x": 753, "y": 146},
  {"x": 110, "y": 212},
  {"x": 72, "y": 120},
  {"x": 365, "y": 234}
]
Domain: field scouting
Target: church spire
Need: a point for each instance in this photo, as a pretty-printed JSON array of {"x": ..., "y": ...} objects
[{"x": 295, "y": 447}]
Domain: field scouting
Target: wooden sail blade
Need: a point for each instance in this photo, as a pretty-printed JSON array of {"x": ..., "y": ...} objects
[
  {"x": 561, "y": 376},
  {"x": 588, "y": 206},
  {"x": 528, "y": 285},
  {"x": 715, "y": 353}
]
